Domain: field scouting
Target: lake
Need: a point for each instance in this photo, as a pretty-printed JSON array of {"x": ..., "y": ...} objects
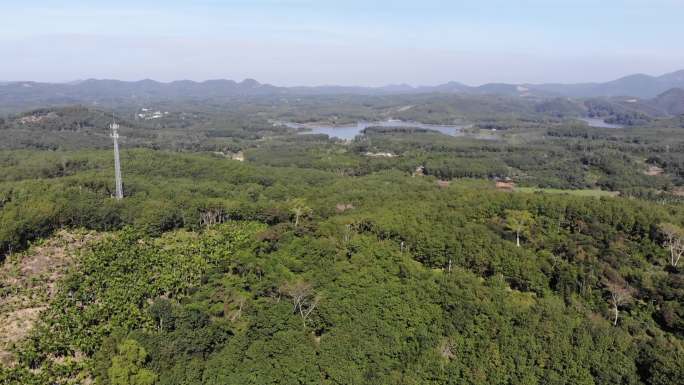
[
  {"x": 349, "y": 132},
  {"x": 599, "y": 123}
]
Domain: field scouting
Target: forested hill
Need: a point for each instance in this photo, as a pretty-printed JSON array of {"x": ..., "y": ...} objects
[
  {"x": 212, "y": 271},
  {"x": 464, "y": 239},
  {"x": 25, "y": 95},
  {"x": 670, "y": 102}
]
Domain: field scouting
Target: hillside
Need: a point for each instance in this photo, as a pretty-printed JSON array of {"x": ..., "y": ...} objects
[
  {"x": 26, "y": 95},
  {"x": 640, "y": 86},
  {"x": 246, "y": 252},
  {"x": 670, "y": 102},
  {"x": 220, "y": 272},
  {"x": 341, "y": 192},
  {"x": 30, "y": 283}
]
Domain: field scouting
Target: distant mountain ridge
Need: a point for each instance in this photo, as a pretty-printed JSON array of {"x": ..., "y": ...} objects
[
  {"x": 35, "y": 94},
  {"x": 639, "y": 85},
  {"x": 670, "y": 102}
]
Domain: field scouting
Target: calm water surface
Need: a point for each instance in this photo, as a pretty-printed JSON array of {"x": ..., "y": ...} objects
[
  {"x": 351, "y": 131},
  {"x": 600, "y": 123}
]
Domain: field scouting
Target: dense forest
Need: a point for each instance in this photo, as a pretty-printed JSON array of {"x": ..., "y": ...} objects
[{"x": 531, "y": 249}]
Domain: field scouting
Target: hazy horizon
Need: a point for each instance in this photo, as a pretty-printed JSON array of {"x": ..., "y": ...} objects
[
  {"x": 321, "y": 84},
  {"x": 310, "y": 43}
]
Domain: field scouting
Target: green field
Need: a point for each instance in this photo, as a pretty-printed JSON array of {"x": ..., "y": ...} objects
[{"x": 580, "y": 192}]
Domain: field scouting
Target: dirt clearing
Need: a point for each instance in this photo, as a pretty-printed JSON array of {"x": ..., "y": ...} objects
[{"x": 28, "y": 281}]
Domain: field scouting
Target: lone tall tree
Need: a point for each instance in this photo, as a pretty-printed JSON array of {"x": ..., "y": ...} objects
[
  {"x": 518, "y": 221},
  {"x": 304, "y": 299},
  {"x": 299, "y": 209},
  {"x": 674, "y": 240},
  {"x": 619, "y": 294}
]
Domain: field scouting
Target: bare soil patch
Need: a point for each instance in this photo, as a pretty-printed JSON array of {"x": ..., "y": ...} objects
[
  {"x": 678, "y": 191},
  {"x": 505, "y": 185},
  {"x": 28, "y": 281},
  {"x": 654, "y": 171}
]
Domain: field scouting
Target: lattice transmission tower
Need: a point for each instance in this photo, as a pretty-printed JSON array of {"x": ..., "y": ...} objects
[{"x": 117, "y": 162}]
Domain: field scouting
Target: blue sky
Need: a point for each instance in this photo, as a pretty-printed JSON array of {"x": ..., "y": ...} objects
[{"x": 341, "y": 42}]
